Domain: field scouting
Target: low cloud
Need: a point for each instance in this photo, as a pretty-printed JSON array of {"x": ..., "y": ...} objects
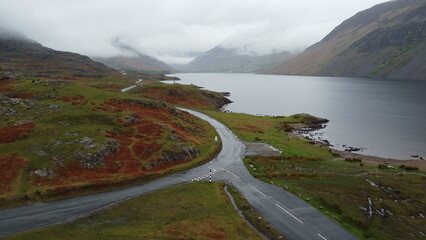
[{"x": 172, "y": 30}]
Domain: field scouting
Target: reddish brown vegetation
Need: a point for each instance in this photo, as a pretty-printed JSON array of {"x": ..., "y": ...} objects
[
  {"x": 111, "y": 86},
  {"x": 179, "y": 99},
  {"x": 250, "y": 128},
  {"x": 25, "y": 96},
  {"x": 5, "y": 87},
  {"x": 77, "y": 100},
  {"x": 137, "y": 148},
  {"x": 10, "y": 134},
  {"x": 10, "y": 167}
]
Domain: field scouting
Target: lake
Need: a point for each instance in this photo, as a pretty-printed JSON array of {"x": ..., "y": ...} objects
[{"x": 387, "y": 117}]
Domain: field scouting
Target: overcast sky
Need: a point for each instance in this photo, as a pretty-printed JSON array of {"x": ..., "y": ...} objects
[{"x": 175, "y": 30}]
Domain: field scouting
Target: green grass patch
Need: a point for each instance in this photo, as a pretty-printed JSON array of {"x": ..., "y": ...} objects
[
  {"x": 269, "y": 129},
  {"x": 190, "y": 211},
  {"x": 342, "y": 190}
]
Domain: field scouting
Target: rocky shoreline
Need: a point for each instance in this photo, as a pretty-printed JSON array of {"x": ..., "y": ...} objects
[{"x": 420, "y": 164}]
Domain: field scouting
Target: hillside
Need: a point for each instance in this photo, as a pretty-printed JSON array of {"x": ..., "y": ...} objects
[
  {"x": 133, "y": 59},
  {"x": 19, "y": 54},
  {"x": 62, "y": 138},
  {"x": 220, "y": 59},
  {"x": 385, "y": 41},
  {"x": 141, "y": 63}
]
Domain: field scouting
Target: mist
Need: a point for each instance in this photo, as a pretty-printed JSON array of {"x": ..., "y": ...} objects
[{"x": 175, "y": 31}]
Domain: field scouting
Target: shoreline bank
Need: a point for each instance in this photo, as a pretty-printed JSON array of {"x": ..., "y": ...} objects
[{"x": 421, "y": 164}]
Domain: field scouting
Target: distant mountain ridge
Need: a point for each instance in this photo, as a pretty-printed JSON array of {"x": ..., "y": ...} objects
[
  {"x": 132, "y": 59},
  {"x": 221, "y": 59},
  {"x": 22, "y": 55},
  {"x": 385, "y": 41},
  {"x": 141, "y": 63}
]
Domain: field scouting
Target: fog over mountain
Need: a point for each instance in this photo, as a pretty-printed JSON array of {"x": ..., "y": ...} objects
[{"x": 173, "y": 30}]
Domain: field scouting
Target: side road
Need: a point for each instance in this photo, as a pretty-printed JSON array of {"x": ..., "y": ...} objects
[{"x": 289, "y": 215}]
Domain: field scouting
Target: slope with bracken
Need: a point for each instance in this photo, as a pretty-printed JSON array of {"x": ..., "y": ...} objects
[
  {"x": 60, "y": 137},
  {"x": 385, "y": 41},
  {"x": 57, "y": 136},
  {"x": 23, "y": 55}
]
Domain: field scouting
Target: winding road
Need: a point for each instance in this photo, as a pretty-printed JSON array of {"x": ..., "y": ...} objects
[{"x": 291, "y": 216}]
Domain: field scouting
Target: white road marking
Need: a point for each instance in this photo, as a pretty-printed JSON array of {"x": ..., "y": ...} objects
[
  {"x": 214, "y": 171},
  {"x": 257, "y": 190},
  {"x": 231, "y": 173},
  {"x": 322, "y": 236},
  {"x": 289, "y": 213}
]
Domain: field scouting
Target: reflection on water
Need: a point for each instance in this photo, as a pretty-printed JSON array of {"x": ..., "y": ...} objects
[{"x": 387, "y": 117}]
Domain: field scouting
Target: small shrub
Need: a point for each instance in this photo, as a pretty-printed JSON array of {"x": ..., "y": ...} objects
[
  {"x": 408, "y": 168},
  {"x": 337, "y": 208},
  {"x": 335, "y": 154},
  {"x": 353, "y": 160},
  {"x": 383, "y": 166}
]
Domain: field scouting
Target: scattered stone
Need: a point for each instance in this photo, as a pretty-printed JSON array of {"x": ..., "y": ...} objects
[
  {"x": 59, "y": 161},
  {"x": 63, "y": 123},
  {"x": 165, "y": 126},
  {"x": 86, "y": 141},
  {"x": 91, "y": 146},
  {"x": 71, "y": 134},
  {"x": 18, "y": 123},
  {"x": 95, "y": 160},
  {"x": 132, "y": 119},
  {"x": 54, "y": 106},
  {"x": 9, "y": 76},
  {"x": 175, "y": 137},
  {"x": 44, "y": 172},
  {"x": 41, "y": 153}
]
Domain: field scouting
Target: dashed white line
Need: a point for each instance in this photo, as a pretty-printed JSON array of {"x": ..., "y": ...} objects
[
  {"x": 321, "y": 236},
  {"x": 289, "y": 213},
  {"x": 231, "y": 173},
  {"x": 214, "y": 171},
  {"x": 257, "y": 190}
]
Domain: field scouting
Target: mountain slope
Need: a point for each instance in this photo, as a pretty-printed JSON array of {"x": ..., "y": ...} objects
[
  {"x": 132, "y": 59},
  {"x": 141, "y": 62},
  {"x": 220, "y": 59},
  {"x": 385, "y": 41},
  {"x": 20, "y": 54}
]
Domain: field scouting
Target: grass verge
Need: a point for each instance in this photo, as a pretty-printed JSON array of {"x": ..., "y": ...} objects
[{"x": 190, "y": 211}]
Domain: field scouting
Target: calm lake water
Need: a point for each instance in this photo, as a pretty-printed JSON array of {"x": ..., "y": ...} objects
[{"x": 387, "y": 117}]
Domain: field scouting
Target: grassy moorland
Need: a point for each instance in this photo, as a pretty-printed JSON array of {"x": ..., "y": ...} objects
[
  {"x": 63, "y": 138},
  {"x": 372, "y": 201},
  {"x": 194, "y": 211},
  {"x": 183, "y": 95}
]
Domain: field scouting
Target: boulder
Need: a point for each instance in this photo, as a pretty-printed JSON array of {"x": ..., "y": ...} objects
[
  {"x": 44, "y": 172},
  {"x": 9, "y": 76}
]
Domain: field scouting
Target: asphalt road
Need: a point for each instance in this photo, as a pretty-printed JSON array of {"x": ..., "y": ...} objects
[{"x": 291, "y": 216}]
